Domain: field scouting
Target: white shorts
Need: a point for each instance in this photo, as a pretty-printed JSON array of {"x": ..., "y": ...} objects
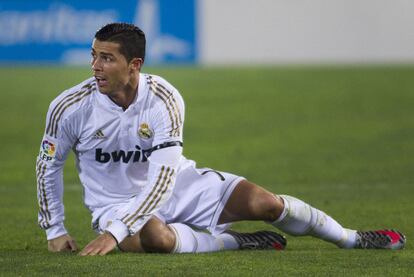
[{"x": 198, "y": 199}]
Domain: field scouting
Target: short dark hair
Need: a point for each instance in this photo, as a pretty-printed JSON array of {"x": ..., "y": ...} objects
[{"x": 130, "y": 38}]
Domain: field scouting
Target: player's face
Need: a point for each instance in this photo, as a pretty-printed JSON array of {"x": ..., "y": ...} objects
[{"x": 112, "y": 71}]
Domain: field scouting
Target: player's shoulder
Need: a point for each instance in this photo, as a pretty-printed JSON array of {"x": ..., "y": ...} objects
[
  {"x": 74, "y": 97},
  {"x": 162, "y": 90},
  {"x": 167, "y": 103},
  {"x": 158, "y": 83},
  {"x": 74, "y": 100}
]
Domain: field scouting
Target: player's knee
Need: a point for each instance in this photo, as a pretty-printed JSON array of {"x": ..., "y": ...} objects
[
  {"x": 158, "y": 242},
  {"x": 269, "y": 206},
  {"x": 131, "y": 244},
  {"x": 157, "y": 238}
]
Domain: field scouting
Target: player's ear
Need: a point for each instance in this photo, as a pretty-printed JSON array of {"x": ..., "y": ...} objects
[{"x": 136, "y": 64}]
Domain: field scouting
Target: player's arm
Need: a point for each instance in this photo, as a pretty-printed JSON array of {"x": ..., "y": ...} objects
[
  {"x": 167, "y": 124},
  {"x": 161, "y": 180},
  {"x": 56, "y": 143}
]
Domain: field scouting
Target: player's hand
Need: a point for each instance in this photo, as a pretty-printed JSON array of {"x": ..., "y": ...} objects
[
  {"x": 62, "y": 243},
  {"x": 103, "y": 244}
]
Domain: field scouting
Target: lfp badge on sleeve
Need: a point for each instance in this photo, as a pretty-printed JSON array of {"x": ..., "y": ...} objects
[{"x": 47, "y": 150}]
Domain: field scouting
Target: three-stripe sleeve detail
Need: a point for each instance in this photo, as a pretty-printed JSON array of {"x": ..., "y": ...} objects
[
  {"x": 65, "y": 103},
  {"x": 42, "y": 198},
  {"x": 146, "y": 200},
  {"x": 172, "y": 98},
  {"x": 164, "y": 189},
  {"x": 154, "y": 197},
  {"x": 171, "y": 104}
]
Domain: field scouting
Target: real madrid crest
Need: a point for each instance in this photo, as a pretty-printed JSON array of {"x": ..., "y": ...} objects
[{"x": 144, "y": 131}]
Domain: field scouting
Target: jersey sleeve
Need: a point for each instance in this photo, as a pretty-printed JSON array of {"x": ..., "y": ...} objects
[
  {"x": 57, "y": 140},
  {"x": 168, "y": 116},
  {"x": 167, "y": 121},
  {"x": 161, "y": 180}
]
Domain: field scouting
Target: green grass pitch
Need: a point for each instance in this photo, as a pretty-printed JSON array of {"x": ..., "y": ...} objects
[{"x": 340, "y": 138}]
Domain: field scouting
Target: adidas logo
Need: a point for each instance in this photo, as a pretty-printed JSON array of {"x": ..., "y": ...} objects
[{"x": 99, "y": 135}]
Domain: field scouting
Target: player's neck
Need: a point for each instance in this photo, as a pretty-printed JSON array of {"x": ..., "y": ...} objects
[{"x": 126, "y": 96}]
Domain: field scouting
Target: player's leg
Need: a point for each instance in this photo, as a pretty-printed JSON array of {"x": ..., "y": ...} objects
[
  {"x": 295, "y": 217},
  {"x": 132, "y": 244},
  {"x": 158, "y": 237},
  {"x": 155, "y": 236},
  {"x": 188, "y": 240},
  {"x": 198, "y": 200},
  {"x": 251, "y": 202}
]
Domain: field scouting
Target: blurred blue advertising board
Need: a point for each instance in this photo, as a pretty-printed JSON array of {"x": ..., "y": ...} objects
[{"x": 47, "y": 31}]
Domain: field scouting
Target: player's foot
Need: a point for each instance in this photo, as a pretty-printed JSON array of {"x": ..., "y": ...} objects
[
  {"x": 380, "y": 239},
  {"x": 259, "y": 240}
]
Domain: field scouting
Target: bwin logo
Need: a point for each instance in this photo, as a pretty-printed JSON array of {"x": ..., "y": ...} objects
[{"x": 139, "y": 155}]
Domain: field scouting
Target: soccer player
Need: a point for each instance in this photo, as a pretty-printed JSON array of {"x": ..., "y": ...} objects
[{"x": 126, "y": 130}]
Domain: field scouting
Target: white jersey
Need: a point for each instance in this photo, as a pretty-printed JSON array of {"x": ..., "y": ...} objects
[{"x": 112, "y": 149}]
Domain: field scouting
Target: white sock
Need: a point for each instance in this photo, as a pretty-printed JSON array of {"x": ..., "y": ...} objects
[
  {"x": 229, "y": 241},
  {"x": 299, "y": 218},
  {"x": 191, "y": 241}
]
